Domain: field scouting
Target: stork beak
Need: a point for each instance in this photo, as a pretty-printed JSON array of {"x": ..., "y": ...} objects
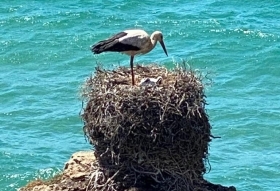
[{"x": 163, "y": 47}]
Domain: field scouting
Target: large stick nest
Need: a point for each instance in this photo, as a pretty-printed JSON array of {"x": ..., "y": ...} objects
[{"x": 156, "y": 134}]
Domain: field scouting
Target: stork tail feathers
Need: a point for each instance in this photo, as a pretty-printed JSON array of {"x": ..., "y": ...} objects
[{"x": 102, "y": 46}]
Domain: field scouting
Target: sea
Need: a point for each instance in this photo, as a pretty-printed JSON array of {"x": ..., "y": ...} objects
[{"x": 45, "y": 58}]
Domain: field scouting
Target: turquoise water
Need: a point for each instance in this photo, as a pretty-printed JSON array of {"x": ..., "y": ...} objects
[{"x": 45, "y": 58}]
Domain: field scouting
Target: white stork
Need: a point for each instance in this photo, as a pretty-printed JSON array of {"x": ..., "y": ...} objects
[{"x": 130, "y": 42}]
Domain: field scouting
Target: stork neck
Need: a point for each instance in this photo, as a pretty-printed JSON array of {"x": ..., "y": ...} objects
[{"x": 154, "y": 42}]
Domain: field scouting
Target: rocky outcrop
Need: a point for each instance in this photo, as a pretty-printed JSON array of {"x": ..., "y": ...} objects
[{"x": 76, "y": 176}]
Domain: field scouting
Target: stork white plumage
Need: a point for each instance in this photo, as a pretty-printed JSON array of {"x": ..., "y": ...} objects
[{"x": 130, "y": 42}]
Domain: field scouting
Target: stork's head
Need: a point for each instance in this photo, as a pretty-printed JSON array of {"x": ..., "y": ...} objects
[{"x": 157, "y": 36}]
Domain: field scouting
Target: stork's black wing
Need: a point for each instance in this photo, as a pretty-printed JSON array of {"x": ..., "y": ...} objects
[{"x": 113, "y": 44}]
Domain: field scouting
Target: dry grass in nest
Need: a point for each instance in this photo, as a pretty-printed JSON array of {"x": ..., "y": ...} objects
[{"x": 156, "y": 135}]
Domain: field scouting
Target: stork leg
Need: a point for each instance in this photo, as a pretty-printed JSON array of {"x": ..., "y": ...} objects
[{"x": 131, "y": 67}]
